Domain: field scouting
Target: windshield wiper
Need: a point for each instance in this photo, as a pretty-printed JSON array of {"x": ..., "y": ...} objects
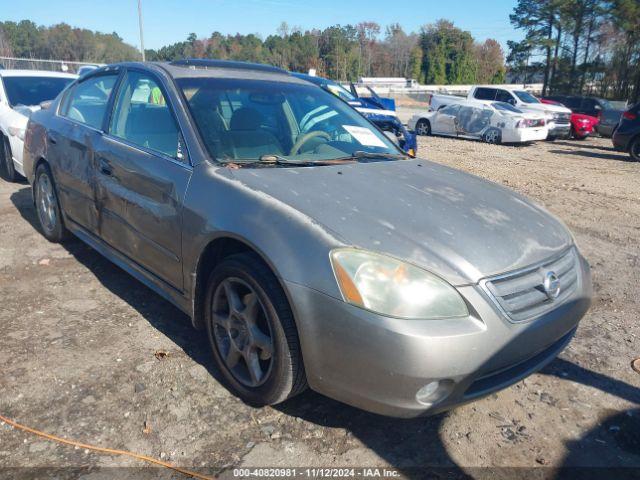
[
  {"x": 280, "y": 160},
  {"x": 363, "y": 154}
]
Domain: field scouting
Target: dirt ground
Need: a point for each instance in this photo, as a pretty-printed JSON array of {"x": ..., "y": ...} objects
[{"x": 89, "y": 353}]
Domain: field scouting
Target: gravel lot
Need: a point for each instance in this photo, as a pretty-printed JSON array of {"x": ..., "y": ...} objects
[{"x": 89, "y": 353}]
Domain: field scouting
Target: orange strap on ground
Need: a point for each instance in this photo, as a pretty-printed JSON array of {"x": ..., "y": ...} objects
[{"x": 104, "y": 450}]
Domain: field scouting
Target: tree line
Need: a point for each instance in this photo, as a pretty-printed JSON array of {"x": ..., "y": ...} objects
[
  {"x": 62, "y": 42},
  {"x": 439, "y": 53},
  {"x": 579, "y": 46}
]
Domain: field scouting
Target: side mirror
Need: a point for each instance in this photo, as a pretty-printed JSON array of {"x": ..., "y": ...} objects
[
  {"x": 46, "y": 104},
  {"x": 392, "y": 136},
  {"x": 598, "y": 107},
  {"x": 512, "y": 101}
]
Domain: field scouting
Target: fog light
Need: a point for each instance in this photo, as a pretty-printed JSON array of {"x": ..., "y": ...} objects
[{"x": 434, "y": 392}]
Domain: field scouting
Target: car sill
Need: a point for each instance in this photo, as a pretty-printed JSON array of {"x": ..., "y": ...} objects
[{"x": 159, "y": 286}]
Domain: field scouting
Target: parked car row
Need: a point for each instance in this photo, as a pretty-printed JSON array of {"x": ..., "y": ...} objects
[
  {"x": 607, "y": 112},
  {"x": 511, "y": 115},
  {"x": 581, "y": 125},
  {"x": 518, "y": 116},
  {"x": 309, "y": 248}
]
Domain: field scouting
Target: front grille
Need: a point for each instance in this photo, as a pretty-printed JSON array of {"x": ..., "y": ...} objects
[
  {"x": 562, "y": 117},
  {"x": 521, "y": 295}
]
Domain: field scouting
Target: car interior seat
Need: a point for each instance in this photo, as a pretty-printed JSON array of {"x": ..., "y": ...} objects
[{"x": 246, "y": 137}]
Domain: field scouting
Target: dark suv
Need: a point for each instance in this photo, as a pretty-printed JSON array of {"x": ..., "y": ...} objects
[
  {"x": 627, "y": 135},
  {"x": 607, "y": 112}
]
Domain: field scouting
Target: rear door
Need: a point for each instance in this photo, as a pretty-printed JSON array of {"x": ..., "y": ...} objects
[
  {"x": 142, "y": 176},
  {"x": 72, "y": 139}
]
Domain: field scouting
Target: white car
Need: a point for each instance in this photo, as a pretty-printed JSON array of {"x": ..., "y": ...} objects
[
  {"x": 494, "y": 122},
  {"x": 558, "y": 117},
  {"x": 21, "y": 93}
]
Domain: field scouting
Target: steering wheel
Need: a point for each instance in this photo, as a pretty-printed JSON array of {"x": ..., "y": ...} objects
[{"x": 305, "y": 138}]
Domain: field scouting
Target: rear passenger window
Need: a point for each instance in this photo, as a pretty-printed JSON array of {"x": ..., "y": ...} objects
[
  {"x": 485, "y": 93},
  {"x": 87, "y": 102},
  {"x": 142, "y": 116}
]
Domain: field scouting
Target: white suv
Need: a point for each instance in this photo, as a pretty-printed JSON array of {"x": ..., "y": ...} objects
[
  {"x": 558, "y": 117},
  {"x": 21, "y": 93}
]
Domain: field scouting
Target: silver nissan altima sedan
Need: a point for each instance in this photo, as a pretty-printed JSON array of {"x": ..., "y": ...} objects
[{"x": 301, "y": 240}]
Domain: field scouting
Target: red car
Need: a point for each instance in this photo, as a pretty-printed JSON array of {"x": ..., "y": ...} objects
[{"x": 581, "y": 125}]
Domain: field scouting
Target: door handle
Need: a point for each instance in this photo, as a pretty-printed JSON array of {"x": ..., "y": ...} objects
[
  {"x": 105, "y": 168},
  {"x": 52, "y": 139}
]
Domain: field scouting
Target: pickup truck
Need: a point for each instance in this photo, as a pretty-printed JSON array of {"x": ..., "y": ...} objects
[{"x": 558, "y": 117}]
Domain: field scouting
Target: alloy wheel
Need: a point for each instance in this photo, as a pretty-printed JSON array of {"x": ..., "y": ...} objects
[
  {"x": 46, "y": 204},
  {"x": 423, "y": 128},
  {"x": 492, "y": 136},
  {"x": 242, "y": 332}
]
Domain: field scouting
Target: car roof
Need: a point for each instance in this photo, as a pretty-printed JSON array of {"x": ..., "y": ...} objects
[
  {"x": 35, "y": 73},
  {"x": 203, "y": 68},
  {"x": 190, "y": 68},
  {"x": 311, "y": 78}
]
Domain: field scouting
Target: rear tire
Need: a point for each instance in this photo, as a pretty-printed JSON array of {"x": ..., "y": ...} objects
[
  {"x": 493, "y": 136},
  {"x": 576, "y": 136},
  {"x": 423, "y": 127},
  {"x": 634, "y": 149},
  {"x": 252, "y": 332},
  {"x": 47, "y": 205},
  {"x": 7, "y": 169}
]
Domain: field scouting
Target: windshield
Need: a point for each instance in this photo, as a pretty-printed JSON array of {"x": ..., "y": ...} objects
[
  {"x": 615, "y": 105},
  {"x": 31, "y": 91},
  {"x": 249, "y": 120},
  {"x": 505, "y": 106},
  {"x": 526, "y": 97}
]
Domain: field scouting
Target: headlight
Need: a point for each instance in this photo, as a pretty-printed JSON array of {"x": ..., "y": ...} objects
[
  {"x": 391, "y": 287},
  {"x": 17, "y": 132}
]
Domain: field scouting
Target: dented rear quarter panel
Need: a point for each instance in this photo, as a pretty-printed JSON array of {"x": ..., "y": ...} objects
[{"x": 35, "y": 143}]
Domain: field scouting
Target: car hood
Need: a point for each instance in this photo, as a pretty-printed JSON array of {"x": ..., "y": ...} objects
[
  {"x": 545, "y": 107},
  {"x": 454, "y": 224}
]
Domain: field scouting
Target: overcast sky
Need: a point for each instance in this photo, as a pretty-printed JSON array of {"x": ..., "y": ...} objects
[{"x": 169, "y": 21}]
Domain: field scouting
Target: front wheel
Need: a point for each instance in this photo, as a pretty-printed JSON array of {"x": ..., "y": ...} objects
[
  {"x": 7, "y": 169},
  {"x": 634, "y": 149},
  {"x": 252, "y": 332},
  {"x": 48, "y": 206},
  {"x": 423, "y": 127}
]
